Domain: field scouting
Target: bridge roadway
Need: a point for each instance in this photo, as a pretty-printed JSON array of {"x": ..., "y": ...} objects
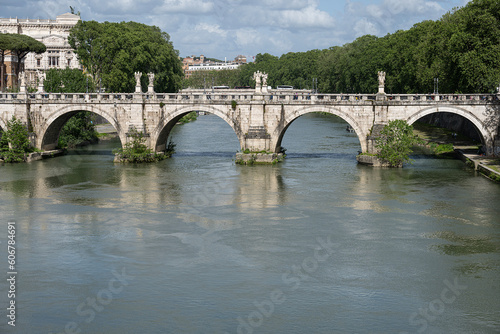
[{"x": 258, "y": 119}]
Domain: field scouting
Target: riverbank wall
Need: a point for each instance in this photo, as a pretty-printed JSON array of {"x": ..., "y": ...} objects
[{"x": 486, "y": 166}]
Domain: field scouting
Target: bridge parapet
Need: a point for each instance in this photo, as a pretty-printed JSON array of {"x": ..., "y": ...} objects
[{"x": 275, "y": 96}]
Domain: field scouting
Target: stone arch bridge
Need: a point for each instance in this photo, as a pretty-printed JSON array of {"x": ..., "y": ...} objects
[{"x": 258, "y": 118}]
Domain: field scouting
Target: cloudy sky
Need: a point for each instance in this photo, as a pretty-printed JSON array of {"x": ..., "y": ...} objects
[{"x": 227, "y": 28}]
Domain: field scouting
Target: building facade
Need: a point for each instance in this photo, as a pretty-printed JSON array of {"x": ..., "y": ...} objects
[
  {"x": 193, "y": 64},
  {"x": 53, "y": 33}
]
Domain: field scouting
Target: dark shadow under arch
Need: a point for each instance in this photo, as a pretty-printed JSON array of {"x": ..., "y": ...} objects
[
  {"x": 460, "y": 117},
  {"x": 51, "y": 135}
]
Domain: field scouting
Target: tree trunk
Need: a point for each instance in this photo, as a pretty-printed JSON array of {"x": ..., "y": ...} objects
[
  {"x": 2, "y": 71},
  {"x": 20, "y": 56}
]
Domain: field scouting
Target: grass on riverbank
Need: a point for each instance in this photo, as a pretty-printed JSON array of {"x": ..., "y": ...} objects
[{"x": 441, "y": 141}]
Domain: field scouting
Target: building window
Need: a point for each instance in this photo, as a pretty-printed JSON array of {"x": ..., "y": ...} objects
[
  {"x": 69, "y": 62},
  {"x": 38, "y": 62},
  {"x": 53, "y": 61}
]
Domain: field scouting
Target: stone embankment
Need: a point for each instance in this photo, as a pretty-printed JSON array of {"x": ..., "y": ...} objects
[
  {"x": 44, "y": 155},
  {"x": 487, "y": 166}
]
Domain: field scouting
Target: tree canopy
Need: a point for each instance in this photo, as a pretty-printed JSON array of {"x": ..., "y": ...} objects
[
  {"x": 112, "y": 52},
  {"x": 19, "y": 45},
  {"x": 66, "y": 81},
  {"x": 462, "y": 50}
]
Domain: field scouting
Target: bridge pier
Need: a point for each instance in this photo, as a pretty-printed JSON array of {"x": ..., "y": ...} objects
[{"x": 369, "y": 157}]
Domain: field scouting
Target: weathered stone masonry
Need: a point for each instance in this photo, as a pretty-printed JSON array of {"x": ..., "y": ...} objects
[{"x": 258, "y": 119}]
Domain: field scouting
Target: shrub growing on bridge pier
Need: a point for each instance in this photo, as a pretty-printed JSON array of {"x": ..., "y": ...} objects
[
  {"x": 137, "y": 151},
  {"x": 395, "y": 142},
  {"x": 15, "y": 143}
]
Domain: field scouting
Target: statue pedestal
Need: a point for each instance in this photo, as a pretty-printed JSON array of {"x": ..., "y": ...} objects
[{"x": 138, "y": 89}]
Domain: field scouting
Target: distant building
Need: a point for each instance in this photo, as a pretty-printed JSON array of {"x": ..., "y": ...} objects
[
  {"x": 193, "y": 64},
  {"x": 53, "y": 33}
]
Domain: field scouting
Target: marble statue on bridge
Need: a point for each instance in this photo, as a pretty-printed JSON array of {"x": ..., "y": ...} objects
[
  {"x": 137, "y": 76},
  {"x": 151, "y": 77},
  {"x": 260, "y": 82},
  {"x": 381, "y": 82}
]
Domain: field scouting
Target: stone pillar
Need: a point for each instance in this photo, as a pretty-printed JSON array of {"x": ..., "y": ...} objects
[{"x": 256, "y": 144}]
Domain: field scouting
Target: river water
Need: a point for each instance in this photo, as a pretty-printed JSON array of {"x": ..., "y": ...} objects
[{"x": 197, "y": 244}]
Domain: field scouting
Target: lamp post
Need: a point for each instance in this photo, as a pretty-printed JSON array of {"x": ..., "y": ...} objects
[{"x": 436, "y": 85}]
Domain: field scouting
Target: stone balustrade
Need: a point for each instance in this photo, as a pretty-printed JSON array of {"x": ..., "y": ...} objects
[{"x": 274, "y": 97}]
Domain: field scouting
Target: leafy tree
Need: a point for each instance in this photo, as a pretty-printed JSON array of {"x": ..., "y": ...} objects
[
  {"x": 66, "y": 81},
  {"x": 19, "y": 45},
  {"x": 205, "y": 79},
  {"x": 78, "y": 130},
  {"x": 112, "y": 52},
  {"x": 395, "y": 142},
  {"x": 14, "y": 143}
]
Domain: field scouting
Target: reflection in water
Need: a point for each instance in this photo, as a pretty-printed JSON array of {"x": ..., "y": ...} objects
[
  {"x": 260, "y": 188},
  {"x": 207, "y": 240},
  {"x": 464, "y": 245}
]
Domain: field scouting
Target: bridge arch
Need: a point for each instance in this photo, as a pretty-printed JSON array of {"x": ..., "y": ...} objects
[
  {"x": 162, "y": 131},
  {"x": 280, "y": 131},
  {"x": 49, "y": 132},
  {"x": 485, "y": 134}
]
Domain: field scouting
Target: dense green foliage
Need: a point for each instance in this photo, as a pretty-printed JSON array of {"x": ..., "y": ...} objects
[
  {"x": 395, "y": 142},
  {"x": 462, "y": 50},
  {"x": 14, "y": 143},
  {"x": 136, "y": 150},
  {"x": 112, "y": 52},
  {"x": 79, "y": 130},
  {"x": 67, "y": 81},
  {"x": 19, "y": 45},
  {"x": 190, "y": 117},
  {"x": 207, "y": 79}
]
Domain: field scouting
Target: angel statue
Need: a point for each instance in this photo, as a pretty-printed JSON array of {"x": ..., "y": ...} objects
[
  {"x": 137, "y": 78},
  {"x": 381, "y": 78}
]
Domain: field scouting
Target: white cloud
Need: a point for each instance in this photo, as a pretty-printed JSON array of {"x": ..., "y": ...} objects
[
  {"x": 398, "y": 7},
  {"x": 365, "y": 27},
  {"x": 309, "y": 17},
  {"x": 389, "y": 15},
  {"x": 185, "y": 6},
  {"x": 247, "y": 37},
  {"x": 212, "y": 29}
]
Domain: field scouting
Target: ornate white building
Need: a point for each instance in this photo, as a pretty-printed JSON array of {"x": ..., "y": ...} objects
[{"x": 53, "y": 33}]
